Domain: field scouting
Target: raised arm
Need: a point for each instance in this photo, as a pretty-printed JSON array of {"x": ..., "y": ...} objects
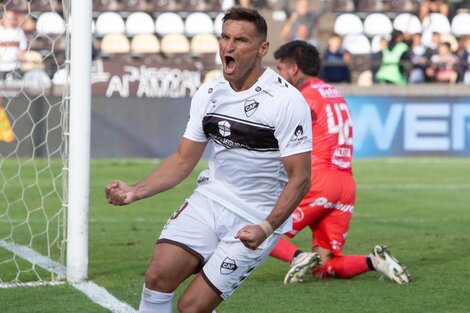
[{"x": 170, "y": 172}]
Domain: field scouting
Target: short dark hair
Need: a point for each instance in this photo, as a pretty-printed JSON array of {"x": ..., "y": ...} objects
[
  {"x": 303, "y": 54},
  {"x": 238, "y": 13}
]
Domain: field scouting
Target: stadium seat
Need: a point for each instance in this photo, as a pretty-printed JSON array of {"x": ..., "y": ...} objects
[
  {"x": 198, "y": 23},
  {"x": 204, "y": 43},
  {"x": 168, "y": 23},
  {"x": 460, "y": 24},
  {"x": 212, "y": 74},
  {"x": 218, "y": 24},
  {"x": 343, "y": 6},
  {"x": 347, "y": 23},
  {"x": 437, "y": 22},
  {"x": 174, "y": 43},
  {"x": 60, "y": 77},
  {"x": 108, "y": 23},
  {"x": 142, "y": 44},
  {"x": 31, "y": 60},
  {"x": 36, "y": 79},
  {"x": 114, "y": 43},
  {"x": 50, "y": 23},
  {"x": 356, "y": 44},
  {"x": 377, "y": 24},
  {"x": 407, "y": 23},
  {"x": 369, "y": 6},
  {"x": 139, "y": 23}
]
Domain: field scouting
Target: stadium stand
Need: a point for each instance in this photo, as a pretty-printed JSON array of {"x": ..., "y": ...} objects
[
  {"x": 143, "y": 44},
  {"x": 106, "y": 5},
  {"x": 198, "y": 23},
  {"x": 174, "y": 44},
  {"x": 108, "y": 23},
  {"x": 407, "y": 23},
  {"x": 114, "y": 43},
  {"x": 347, "y": 24},
  {"x": 139, "y": 23},
  {"x": 460, "y": 24},
  {"x": 50, "y": 23},
  {"x": 377, "y": 24},
  {"x": 169, "y": 22},
  {"x": 204, "y": 43},
  {"x": 343, "y": 6}
]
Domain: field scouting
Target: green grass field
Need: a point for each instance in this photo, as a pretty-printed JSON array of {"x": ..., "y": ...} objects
[{"x": 419, "y": 207}]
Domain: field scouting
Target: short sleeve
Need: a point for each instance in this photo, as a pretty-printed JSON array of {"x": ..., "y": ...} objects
[
  {"x": 294, "y": 125},
  {"x": 194, "y": 130}
]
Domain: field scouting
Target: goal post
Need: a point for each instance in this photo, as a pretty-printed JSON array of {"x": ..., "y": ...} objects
[
  {"x": 45, "y": 146},
  {"x": 79, "y": 149}
]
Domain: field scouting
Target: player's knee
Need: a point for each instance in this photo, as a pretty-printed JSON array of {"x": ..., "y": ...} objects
[
  {"x": 156, "y": 280},
  {"x": 186, "y": 305}
]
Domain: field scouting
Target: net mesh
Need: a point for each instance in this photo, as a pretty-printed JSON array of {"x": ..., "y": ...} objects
[{"x": 33, "y": 141}]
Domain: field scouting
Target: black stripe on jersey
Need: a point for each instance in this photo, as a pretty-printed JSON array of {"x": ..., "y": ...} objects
[
  {"x": 231, "y": 118},
  {"x": 234, "y": 133}
]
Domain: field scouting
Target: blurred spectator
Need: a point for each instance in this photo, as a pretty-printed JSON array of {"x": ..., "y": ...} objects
[
  {"x": 13, "y": 43},
  {"x": 258, "y": 4},
  {"x": 433, "y": 6},
  {"x": 335, "y": 62},
  {"x": 303, "y": 33},
  {"x": 443, "y": 67},
  {"x": 302, "y": 15},
  {"x": 464, "y": 56},
  {"x": 418, "y": 60},
  {"x": 391, "y": 69}
]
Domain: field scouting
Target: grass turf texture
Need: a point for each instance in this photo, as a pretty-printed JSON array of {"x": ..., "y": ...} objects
[{"x": 418, "y": 206}]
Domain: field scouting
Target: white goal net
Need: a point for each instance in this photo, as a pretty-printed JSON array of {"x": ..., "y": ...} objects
[{"x": 34, "y": 106}]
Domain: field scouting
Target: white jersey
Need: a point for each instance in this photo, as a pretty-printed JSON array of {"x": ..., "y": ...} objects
[
  {"x": 12, "y": 41},
  {"x": 251, "y": 130}
]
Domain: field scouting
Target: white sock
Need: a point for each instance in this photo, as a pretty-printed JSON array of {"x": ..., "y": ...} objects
[{"x": 155, "y": 302}]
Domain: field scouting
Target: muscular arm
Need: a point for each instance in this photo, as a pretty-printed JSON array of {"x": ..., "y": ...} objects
[
  {"x": 298, "y": 170},
  {"x": 170, "y": 172}
]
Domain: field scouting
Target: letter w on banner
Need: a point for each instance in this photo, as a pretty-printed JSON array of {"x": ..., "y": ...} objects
[{"x": 6, "y": 134}]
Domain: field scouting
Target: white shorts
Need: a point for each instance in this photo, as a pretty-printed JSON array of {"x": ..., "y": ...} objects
[{"x": 207, "y": 229}]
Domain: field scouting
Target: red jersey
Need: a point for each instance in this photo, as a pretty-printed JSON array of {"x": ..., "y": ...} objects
[{"x": 331, "y": 126}]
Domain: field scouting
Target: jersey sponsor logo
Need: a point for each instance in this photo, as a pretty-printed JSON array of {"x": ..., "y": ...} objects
[
  {"x": 250, "y": 107},
  {"x": 224, "y": 128},
  {"x": 228, "y": 266},
  {"x": 210, "y": 90},
  {"x": 298, "y": 138},
  {"x": 298, "y": 215},
  {"x": 323, "y": 201},
  {"x": 281, "y": 83}
]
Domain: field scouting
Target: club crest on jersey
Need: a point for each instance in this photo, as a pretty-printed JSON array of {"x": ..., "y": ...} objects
[
  {"x": 228, "y": 266},
  {"x": 250, "y": 107}
]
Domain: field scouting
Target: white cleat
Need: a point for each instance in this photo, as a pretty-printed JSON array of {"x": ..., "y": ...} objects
[
  {"x": 300, "y": 265},
  {"x": 387, "y": 265}
]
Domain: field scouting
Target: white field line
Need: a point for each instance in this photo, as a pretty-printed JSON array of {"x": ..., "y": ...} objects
[
  {"x": 415, "y": 186},
  {"x": 94, "y": 292}
]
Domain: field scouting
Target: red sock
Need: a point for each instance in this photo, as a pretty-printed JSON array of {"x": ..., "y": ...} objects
[
  {"x": 345, "y": 266},
  {"x": 284, "y": 250}
]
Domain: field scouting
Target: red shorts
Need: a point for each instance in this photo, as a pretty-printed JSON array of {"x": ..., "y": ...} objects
[{"x": 327, "y": 209}]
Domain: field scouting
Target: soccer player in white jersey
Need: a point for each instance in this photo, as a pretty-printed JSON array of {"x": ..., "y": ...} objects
[
  {"x": 259, "y": 170},
  {"x": 328, "y": 207}
]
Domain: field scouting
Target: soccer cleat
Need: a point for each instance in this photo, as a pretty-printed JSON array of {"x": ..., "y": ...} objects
[
  {"x": 387, "y": 265},
  {"x": 300, "y": 265}
]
